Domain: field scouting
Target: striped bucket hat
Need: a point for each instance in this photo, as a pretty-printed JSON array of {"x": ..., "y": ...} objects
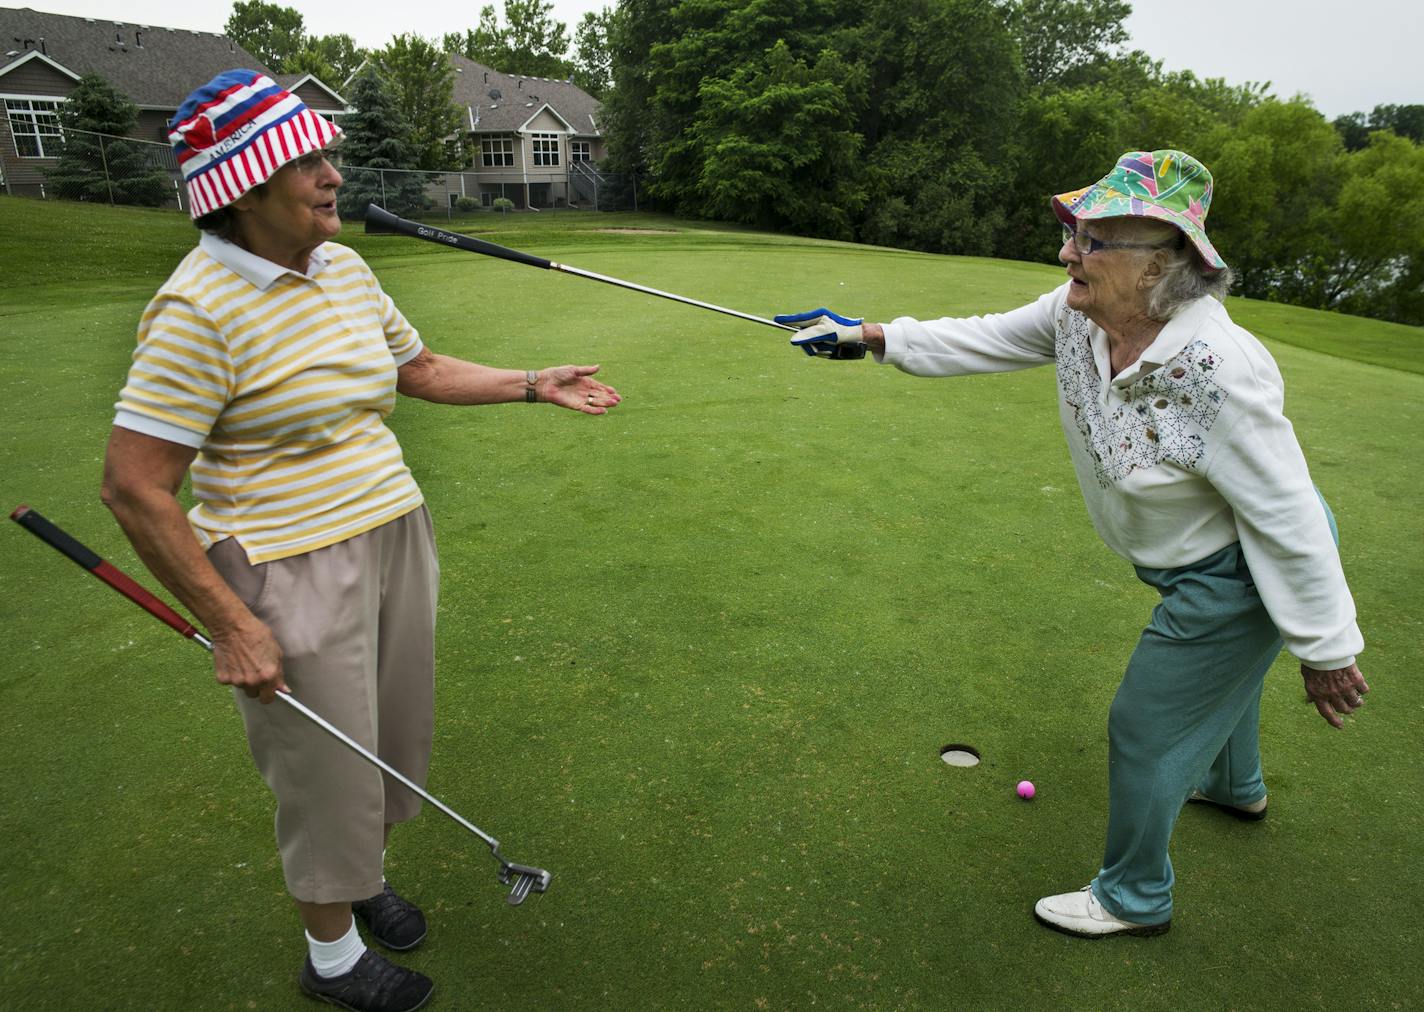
[
  {"x": 236, "y": 131},
  {"x": 1169, "y": 186}
]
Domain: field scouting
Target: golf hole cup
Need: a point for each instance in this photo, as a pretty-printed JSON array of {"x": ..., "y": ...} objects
[
  {"x": 1025, "y": 790},
  {"x": 959, "y": 755}
]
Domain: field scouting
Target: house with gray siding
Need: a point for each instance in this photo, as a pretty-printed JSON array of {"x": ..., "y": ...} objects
[
  {"x": 42, "y": 57},
  {"x": 530, "y": 137},
  {"x": 533, "y": 140}
]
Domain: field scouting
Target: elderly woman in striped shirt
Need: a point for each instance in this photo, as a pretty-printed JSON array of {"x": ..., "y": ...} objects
[{"x": 266, "y": 366}]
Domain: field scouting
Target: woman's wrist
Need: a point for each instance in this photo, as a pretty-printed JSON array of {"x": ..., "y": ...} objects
[{"x": 873, "y": 334}]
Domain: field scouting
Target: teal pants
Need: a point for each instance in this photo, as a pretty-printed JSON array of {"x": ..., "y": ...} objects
[{"x": 1186, "y": 716}]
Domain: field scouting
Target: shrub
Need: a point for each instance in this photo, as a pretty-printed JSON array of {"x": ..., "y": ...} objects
[{"x": 503, "y": 204}]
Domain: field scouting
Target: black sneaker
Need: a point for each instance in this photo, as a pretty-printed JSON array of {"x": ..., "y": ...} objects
[
  {"x": 394, "y": 922},
  {"x": 374, "y": 984}
]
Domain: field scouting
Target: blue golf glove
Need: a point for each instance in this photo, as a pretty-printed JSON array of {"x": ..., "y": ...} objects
[{"x": 826, "y": 334}]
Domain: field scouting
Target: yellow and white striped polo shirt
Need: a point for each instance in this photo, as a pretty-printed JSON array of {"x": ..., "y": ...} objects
[{"x": 282, "y": 382}]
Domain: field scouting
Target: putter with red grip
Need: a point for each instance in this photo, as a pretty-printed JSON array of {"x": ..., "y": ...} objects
[{"x": 522, "y": 879}]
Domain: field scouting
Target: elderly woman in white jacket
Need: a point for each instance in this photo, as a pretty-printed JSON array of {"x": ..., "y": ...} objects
[{"x": 1191, "y": 472}]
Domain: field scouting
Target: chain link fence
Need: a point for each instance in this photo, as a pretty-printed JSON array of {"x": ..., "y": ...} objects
[
  {"x": 104, "y": 168},
  {"x": 414, "y": 193}
]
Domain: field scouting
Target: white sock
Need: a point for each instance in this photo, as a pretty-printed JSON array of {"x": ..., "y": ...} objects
[{"x": 332, "y": 959}]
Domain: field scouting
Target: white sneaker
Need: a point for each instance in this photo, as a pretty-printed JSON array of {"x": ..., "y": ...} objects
[
  {"x": 1253, "y": 812},
  {"x": 1081, "y": 914}
]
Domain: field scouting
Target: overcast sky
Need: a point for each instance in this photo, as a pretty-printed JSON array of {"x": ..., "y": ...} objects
[{"x": 1347, "y": 57}]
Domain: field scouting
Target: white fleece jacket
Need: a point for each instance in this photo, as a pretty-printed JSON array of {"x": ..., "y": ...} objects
[{"x": 1178, "y": 456}]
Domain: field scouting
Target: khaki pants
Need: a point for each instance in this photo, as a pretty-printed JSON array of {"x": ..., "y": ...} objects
[{"x": 356, "y": 624}]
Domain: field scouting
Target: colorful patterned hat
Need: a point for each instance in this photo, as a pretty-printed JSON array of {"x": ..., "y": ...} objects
[
  {"x": 236, "y": 131},
  {"x": 1170, "y": 186}
]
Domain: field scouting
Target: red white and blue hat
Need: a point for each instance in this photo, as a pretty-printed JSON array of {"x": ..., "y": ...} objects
[{"x": 236, "y": 131}]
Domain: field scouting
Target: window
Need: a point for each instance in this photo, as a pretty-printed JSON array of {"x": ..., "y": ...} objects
[
  {"x": 34, "y": 123},
  {"x": 579, "y": 151},
  {"x": 496, "y": 151},
  {"x": 546, "y": 149}
]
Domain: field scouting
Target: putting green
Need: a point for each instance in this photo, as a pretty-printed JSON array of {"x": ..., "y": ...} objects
[{"x": 698, "y": 659}]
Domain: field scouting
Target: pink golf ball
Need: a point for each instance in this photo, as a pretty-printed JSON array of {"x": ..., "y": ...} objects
[{"x": 1025, "y": 789}]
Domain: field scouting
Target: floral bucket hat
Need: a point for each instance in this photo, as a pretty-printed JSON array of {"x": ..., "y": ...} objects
[{"x": 1170, "y": 186}]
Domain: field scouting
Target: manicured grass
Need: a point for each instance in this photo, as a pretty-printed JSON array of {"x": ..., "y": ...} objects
[{"x": 697, "y": 658}]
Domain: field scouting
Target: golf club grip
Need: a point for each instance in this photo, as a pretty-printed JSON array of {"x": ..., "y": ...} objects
[
  {"x": 115, "y": 577},
  {"x": 32, "y": 521},
  {"x": 379, "y": 221}
]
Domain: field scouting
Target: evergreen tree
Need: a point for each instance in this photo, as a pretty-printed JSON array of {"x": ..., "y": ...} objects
[
  {"x": 377, "y": 137},
  {"x": 108, "y": 168}
]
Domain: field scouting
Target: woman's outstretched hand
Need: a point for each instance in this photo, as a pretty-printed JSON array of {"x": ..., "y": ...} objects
[{"x": 573, "y": 387}]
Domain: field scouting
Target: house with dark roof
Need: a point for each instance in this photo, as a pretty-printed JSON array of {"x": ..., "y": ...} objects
[
  {"x": 42, "y": 57},
  {"x": 533, "y": 139}
]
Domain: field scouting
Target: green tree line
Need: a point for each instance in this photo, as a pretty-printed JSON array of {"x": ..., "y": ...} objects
[
  {"x": 527, "y": 41},
  {"x": 944, "y": 125},
  {"x": 940, "y": 125}
]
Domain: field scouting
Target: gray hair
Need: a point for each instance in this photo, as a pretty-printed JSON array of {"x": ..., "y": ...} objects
[
  {"x": 1185, "y": 275},
  {"x": 223, "y": 222}
]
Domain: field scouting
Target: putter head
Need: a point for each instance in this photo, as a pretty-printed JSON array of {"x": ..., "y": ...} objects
[{"x": 522, "y": 880}]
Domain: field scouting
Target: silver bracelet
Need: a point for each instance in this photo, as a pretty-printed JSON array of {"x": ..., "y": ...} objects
[{"x": 531, "y": 379}]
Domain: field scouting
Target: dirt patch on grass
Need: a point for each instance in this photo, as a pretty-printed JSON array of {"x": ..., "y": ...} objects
[{"x": 637, "y": 231}]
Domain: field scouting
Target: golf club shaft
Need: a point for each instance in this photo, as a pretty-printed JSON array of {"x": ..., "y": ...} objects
[
  {"x": 379, "y": 221},
  {"x": 56, "y": 538}
]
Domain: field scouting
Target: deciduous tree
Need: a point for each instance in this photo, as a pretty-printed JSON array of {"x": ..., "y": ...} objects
[
  {"x": 421, "y": 80},
  {"x": 780, "y": 144},
  {"x": 1379, "y": 231},
  {"x": 537, "y": 43},
  {"x": 1058, "y": 36},
  {"x": 270, "y": 32},
  {"x": 593, "y": 71},
  {"x": 944, "y": 94},
  {"x": 332, "y": 58},
  {"x": 530, "y": 42},
  {"x": 486, "y": 43}
]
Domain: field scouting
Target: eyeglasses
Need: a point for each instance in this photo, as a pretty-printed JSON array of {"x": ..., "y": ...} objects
[
  {"x": 1086, "y": 244},
  {"x": 311, "y": 163}
]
